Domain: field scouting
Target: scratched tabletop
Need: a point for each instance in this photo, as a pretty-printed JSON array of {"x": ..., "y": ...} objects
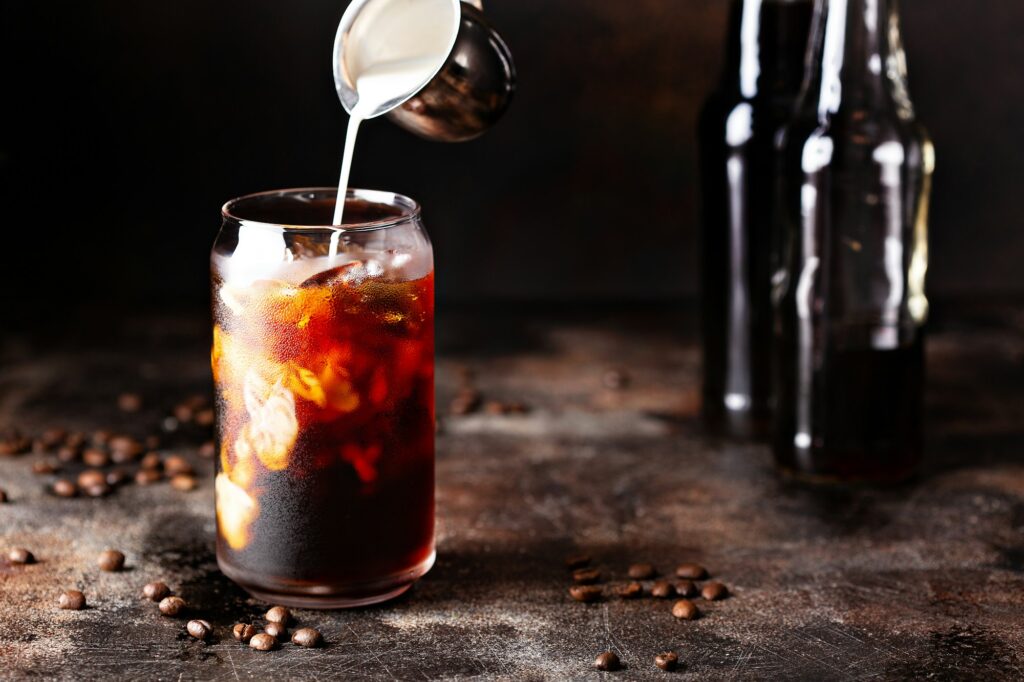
[{"x": 925, "y": 580}]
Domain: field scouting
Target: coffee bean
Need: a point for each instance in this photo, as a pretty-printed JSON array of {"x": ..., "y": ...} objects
[
  {"x": 116, "y": 476},
  {"x": 205, "y": 417},
  {"x": 101, "y": 438},
  {"x": 586, "y": 576},
  {"x": 208, "y": 450},
  {"x": 607, "y": 661},
  {"x": 110, "y": 560},
  {"x": 72, "y": 600},
  {"x": 307, "y": 637},
  {"x": 279, "y": 614},
  {"x": 124, "y": 449},
  {"x": 172, "y": 606},
  {"x": 13, "y": 443},
  {"x": 176, "y": 464},
  {"x": 43, "y": 467},
  {"x": 152, "y": 442},
  {"x": 467, "y": 401},
  {"x": 129, "y": 402},
  {"x": 668, "y": 660},
  {"x": 183, "y": 413},
  {"x": 20, "y": 555},
  {"x": 66, "y": 453},
  {"x": 494, "y": 407},
  {"x": 714, "y": 590},
  {"x": 686, "y": 588},
  {"x": 95, "y": 458},
  {"x": 152, "y": 461},
  {"x": 278, "y": 631},
  {"x": 184, "y": 482},
  {"x": 663, "y": 589},
  {"x": 243, "y": 632},
  {"x": 615, "y": 379},
  {"x": 156, "y": 590},
  {"x": 586, "y": 593},
  {"x": 691, "y": 571},
  {"x": 577, "y": 561},
  {"x": 97, "y": 490},
  {"x": 147, "y": 476},
  {"x": 631, "y": 591},
  {"x": 91, "y": 477},
  {"x": 642, "y": 571},
  {"x": 51, "y": 438},
  {"x": 684, "y": 609},
  {"x": 75, "y": 439},
  {"x": 200, "y": 629},
  {"x": 65, "y": 488},
  {"x": 3, "y": 496},
  {"x": 262, "y": 642}
]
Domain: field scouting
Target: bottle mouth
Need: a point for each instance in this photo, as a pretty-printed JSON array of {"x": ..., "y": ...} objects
[{"x": 311, "y": 209}]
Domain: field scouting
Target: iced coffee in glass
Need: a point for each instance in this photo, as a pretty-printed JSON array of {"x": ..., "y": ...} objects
[{"x": 323, "y": 359}]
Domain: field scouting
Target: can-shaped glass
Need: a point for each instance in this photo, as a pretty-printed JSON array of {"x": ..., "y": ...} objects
[{"x": 323, "y": 361}]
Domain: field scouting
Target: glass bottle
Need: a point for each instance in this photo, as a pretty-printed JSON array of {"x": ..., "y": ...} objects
[
  {"x": 850, "y": 288},
  {"x": 764, "y": 68}
]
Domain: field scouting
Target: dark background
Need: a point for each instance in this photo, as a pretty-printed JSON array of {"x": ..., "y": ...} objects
[{"x": 128, "y": 124}]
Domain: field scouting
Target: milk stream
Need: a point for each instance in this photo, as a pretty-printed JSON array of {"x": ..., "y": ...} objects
[{"x": 394, "y": 48}]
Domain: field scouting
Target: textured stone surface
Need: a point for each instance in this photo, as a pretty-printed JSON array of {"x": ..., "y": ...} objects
[{"x": 923, "y": 579}]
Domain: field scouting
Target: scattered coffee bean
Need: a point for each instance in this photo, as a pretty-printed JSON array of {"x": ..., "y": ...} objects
[
  {"x": 43, "y": 467},
  {"x": 110, "y": 560},
  {"x": 686, "y": 588},
  {"x": 156, "y": 590},
  {"x": 586, "y": 593},
  {"x": 663, "y": 589},
  {"x": 184, "y": 482},
  {"x": 668, "y": 660},
  {"x": 66, "y": 453},
  {"x": 615, "y": 379},
  {"x": 205, "y": 417},
  {"x": 97, "y": 490},
  {"x": 3, "y": 496},
  {"x": 39, "y": 447},
  {"x": 642, "y": 571},
  {"x": 101, "y": 438},
  {"x": 124, "y": 449},
  {"x": 197, "y": 401},
  {"x": 714, "y": 590},
  {"x": 631, "y": 591},
  {"x": 20, "y": 555},
  {"x": 147, "y": 476},
  {"x": 691, "y": 571},
  {"x": 586, "y": 576},
  {"x": 116, "y": 477},
  {"x": 607, "y": 661},
  {"x": 307, "y": 637},
  {"x": 13, "y": 443},
  {"x": 95, "y": 457},
  {"x": 72, "y": 600},
  {"x": 262, "y": 642},
  {"x": 75, "y": 439},
  {"x": 494, "y": 407},
  {"x": 129, "y": 402},
  {"x": 279, "y": 614},
  {"x": 152, "y": 442},
  {"x": 172, "y": 606},
  {"x": 684, "y": 609},
  {"x": 176, "y": 464},
  {"x": 183, "y": 413},
  {"x": 277, "y": 630},
  {"x": 65, "y": 488},
  {"x": 51, "y": 438},
  {"x": 152, "y": 461},
  {"x": 91, "y": 477},
  {"x": 208, "y": 450},
  {"x": 467, "y": 401},
  {"x": 200, "y": 629},
  {"x": 243, "y": 632},
  {"x": 577, "y": 561}
]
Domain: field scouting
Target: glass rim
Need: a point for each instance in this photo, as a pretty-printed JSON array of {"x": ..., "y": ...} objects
[{"x": 409, "y": 207}]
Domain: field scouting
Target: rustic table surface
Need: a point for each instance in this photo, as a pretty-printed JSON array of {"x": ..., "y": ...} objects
[{"x": 923, "y": 580}]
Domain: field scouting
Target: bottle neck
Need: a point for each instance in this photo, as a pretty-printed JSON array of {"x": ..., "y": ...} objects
[
  {"x": 857, "y": 57},
  {"x": 766, "y": 47}
]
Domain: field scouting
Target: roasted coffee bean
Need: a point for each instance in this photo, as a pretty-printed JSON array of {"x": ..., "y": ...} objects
[
  {"x": 13, "y": 443},
  {"x": 467, "y": 401},
  {"x": 184, "y": 482},
  {"x": 208, "y": 450},
  {"x": 3, "y": 496},
  {"x": 278, "y": 614},
  {"x": 156, "y": 590},
  {"x": 97, "y": 490},
  {"x": 116, "y": 476},
  {"x": 668, "y": 660},
  {"x": 95, "y": 457},
  {"x": 43, "y": 467},
  {"x": 263, "y": 642},
  {"x": 607, "y": 661},
  {"x": 197, "y": 401},
  {"x": 51, "y": 438},
  {"x": 183, "y": 413},
  {"x": 631, "y": 591},
  {"x": 714, "y": 590},
  {"x": 494, "y": 407},
  {"x": 243, "y": 632},
  {"x": 204, "y": 417},
  {"x": 72, "y": 600},
  {"x": 152, "y": 461},
  {"x": 129, "y": 402},
  {"x": 20, "y": 555},
  {"x": 586, "y": 593},
  {"x": 176, "y": 464},
  {"x": 663, "y": 589},
  {"x": 101, "y": 438},
  {"x": 152, "y": 442},
  {"x": 279, "y": 631},
  {"x": 91, "y": 477},
  {"x": 65, "y": 488},
  {"x": 66, "y": 453},
  {"x": 577, "y": 561},
  {"x": 147, "y": 476},
  {"x": 39, "y": 447},
  {"x": 615, "y": 379},
  {"x": 75, "y": 439},
  {"x": 642, "y": 571},
  {"x": 110, "y": 560},
  {"x": 586, "y": 576},
  {"x": 124, "y": 449},
  {"x": 200, "y": 629},
  {"x": 691, "y": 571},
  {"x": 307, "y": 637},
  {"x": 172, "y": 606},
  {"x": 686, "y": 588},
  {"x": 684, "y": 609}
]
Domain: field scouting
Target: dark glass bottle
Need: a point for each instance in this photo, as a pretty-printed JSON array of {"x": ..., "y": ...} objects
[
  {"x": 850, "y": 289},
  {"x": 763, "y": 71}
]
